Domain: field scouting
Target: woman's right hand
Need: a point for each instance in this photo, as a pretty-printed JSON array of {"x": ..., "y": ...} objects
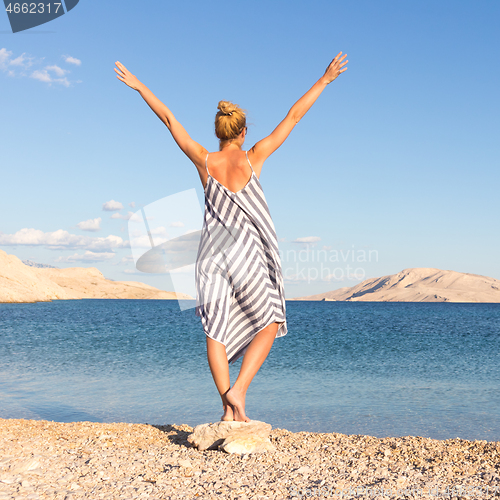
[
  {"x": 126, "y": 76},
  {"x": 335, "y": 68}
]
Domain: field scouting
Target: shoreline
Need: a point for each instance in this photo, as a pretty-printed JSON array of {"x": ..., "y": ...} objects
[
  {"x": 46, "y": 459},
  {"x": 90, "y": 298},
  {"x": 348, "y": 301}
]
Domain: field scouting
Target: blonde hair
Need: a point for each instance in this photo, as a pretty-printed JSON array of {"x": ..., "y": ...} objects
[{"x": 230, "y": 121}]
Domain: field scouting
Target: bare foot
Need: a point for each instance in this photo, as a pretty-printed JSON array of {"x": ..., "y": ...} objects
[
  {"x": 228, "y": 414},
  {"x": 237, "y": 400}
]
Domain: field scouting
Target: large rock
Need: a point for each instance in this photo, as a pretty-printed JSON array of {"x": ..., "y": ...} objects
[
  {"x": 22, "y": 283},
  {"x": 418, "y": 285},
  {"x": 233, "y": 437}
]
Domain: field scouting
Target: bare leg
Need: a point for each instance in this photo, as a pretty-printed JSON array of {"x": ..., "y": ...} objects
[
  {"x": 255, "y": 355},
  {"x": 217, "y": 360}
]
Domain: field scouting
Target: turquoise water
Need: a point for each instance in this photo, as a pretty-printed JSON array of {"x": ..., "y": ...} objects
[{"x": 382, "y": 369}]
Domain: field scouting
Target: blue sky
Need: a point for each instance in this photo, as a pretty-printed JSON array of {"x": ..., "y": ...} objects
[{"x": 397, "y": 163}]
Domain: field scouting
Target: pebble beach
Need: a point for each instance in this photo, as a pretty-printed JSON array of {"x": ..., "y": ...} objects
[{"x": 51, "y": 460}]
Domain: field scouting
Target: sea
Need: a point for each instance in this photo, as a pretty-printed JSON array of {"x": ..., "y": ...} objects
[{"x": 370, "y": 368}]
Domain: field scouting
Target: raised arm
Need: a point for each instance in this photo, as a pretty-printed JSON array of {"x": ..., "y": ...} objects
[
  {"x": 264, "y": 148},
  {"x": 194, "y": 151}
]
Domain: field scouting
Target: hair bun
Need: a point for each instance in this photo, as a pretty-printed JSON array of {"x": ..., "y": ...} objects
[
  {"x": 226, "y": 107},
  {"x": 229, "y": 121}
]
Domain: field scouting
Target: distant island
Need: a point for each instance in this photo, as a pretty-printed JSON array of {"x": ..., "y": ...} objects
[
  {"x": 21, "y": 282},
  {"x": 419, "y": 284},
  {"x": 26, "y": 281}
]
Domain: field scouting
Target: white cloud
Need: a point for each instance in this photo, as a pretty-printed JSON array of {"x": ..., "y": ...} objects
[
  {"x": 56, "y": 69},
  {"x": 90, "y": 225},
  {"x": 307, "y": 239},
  {"x": 6, "y": 62},
  {"x": 61, "y": 239},
  {"x": 4, "y": 57},
  {"x": 177, "y": 224},
  {"x": 16, "y": 67},
  {"x": 132, "y": 204},
  {"x": 112, "y": 206},
  {"x": 43, "y": 75},
  {"x": 64, "y": 81},
  {"x": 72, "y": 60},
  {"x": 124, "y": 217},
  {"x": 127, "y": 259},
  {"x": 22, "y": 61},
  {"x": 88, "y": 256}
]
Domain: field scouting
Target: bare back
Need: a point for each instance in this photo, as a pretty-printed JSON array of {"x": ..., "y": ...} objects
[{"x": 229, "y": 168}]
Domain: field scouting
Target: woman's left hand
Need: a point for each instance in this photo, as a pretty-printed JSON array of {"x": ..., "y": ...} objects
[
  {"x": 126, "y": 76},
  {"x": 335, "y": 68}
]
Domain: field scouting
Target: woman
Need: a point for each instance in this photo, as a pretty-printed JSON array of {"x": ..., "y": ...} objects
[{"x": 240, "y": 296}]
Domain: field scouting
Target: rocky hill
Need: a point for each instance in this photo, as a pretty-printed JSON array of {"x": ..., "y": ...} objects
[
  {"x": 418, "y": 285},
  {"x": 23, "y": 283}
]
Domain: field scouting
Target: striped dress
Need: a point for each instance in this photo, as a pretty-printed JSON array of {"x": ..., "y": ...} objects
[{"x": 239, "y": 283}]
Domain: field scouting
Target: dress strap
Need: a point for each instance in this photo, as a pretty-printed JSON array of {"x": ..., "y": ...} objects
[
  {"x": 246, "y": 152},
  {"x": 206, "y": 164}
]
